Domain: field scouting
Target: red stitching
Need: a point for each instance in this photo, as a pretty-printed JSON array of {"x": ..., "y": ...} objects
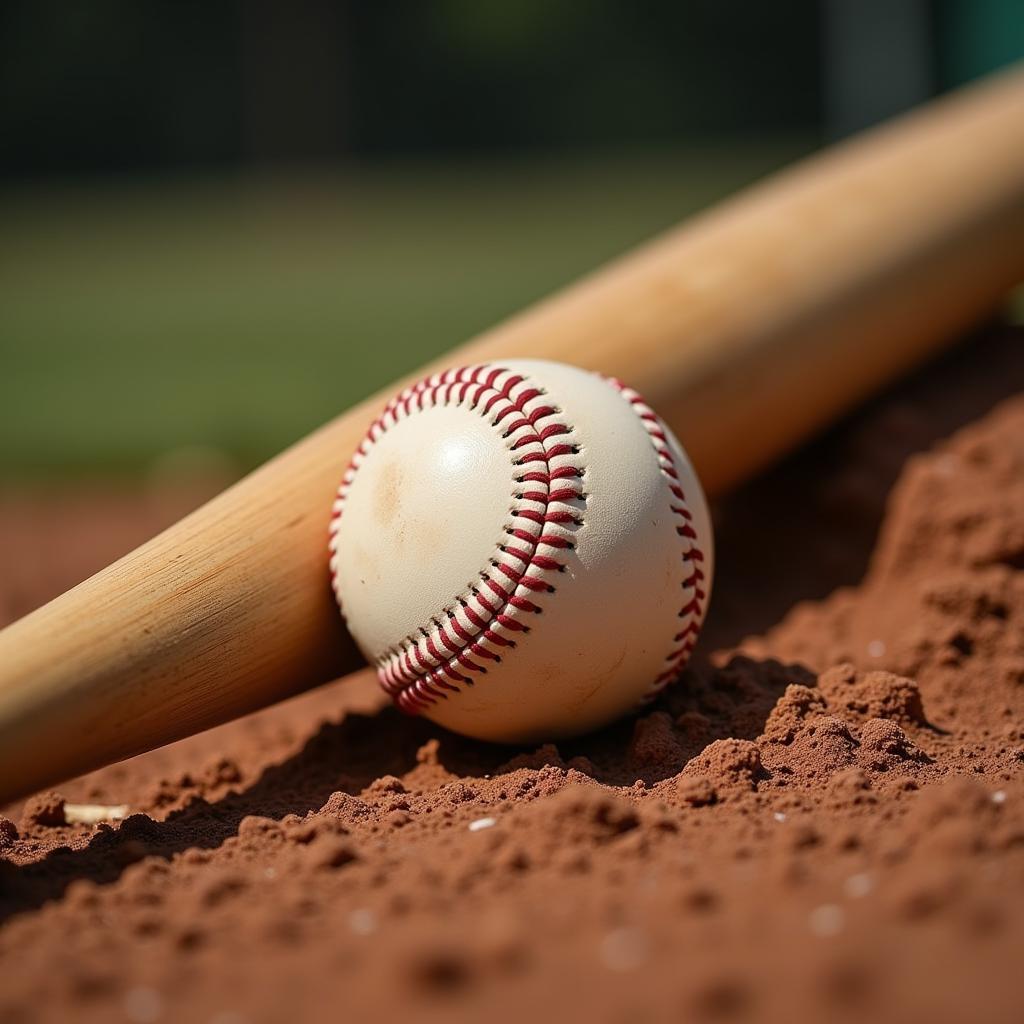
[
  {"x": 426, "y": 668},
  {"x": 693, "y": 608}
]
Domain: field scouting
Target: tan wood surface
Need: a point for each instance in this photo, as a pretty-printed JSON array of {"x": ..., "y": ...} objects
[{"x": 748, "y": 328}]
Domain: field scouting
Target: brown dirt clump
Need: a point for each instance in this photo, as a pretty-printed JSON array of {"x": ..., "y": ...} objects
[{"x": 824, "y": 820}]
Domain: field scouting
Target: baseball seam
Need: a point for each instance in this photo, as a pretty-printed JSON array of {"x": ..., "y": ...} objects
[
  {"x": 547, "y": 508},
  {"x": 694, "y": 585}
]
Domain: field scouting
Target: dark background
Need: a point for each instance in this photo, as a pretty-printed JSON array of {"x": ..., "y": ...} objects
[{"x": 222, "y": 222}]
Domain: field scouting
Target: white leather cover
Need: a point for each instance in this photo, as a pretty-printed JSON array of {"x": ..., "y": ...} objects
[{"x": 522, "y": 549}]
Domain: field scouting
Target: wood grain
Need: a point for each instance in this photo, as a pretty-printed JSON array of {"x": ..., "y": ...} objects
[{"x": 747, "y": 328}]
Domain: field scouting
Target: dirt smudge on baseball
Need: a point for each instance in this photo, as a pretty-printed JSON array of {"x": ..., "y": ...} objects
[{"x": 387, "y": 492}]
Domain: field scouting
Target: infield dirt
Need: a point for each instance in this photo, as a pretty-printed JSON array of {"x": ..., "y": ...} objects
[{"x": 823, "y": 820}]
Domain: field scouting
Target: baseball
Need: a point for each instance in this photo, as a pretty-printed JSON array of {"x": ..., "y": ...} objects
[{"x": 522, "y": 549}]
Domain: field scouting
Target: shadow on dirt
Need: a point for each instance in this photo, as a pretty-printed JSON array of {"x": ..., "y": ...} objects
[{"x": 349, "y": 755}]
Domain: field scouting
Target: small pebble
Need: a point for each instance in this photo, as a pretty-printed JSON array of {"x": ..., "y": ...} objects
[
  {"x": 482, "y": 823},
  {"x": 779, "y": 816},
  {"x": 270, "y": 872},
  {"x": 827, "y": 920},
  {"x": 143, "y": 1005},
  {"x": 93, "y": 814},
  {"x": 858, "y": 886},
  {"x": 876, "y": 649},
  {"x": 362, "y": 921},
  {"x": 624, "y": 949},
  {"x": 999, "y": 796}
]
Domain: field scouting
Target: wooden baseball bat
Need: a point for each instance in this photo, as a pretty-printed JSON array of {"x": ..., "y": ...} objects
[{"x": 747, "y": 328}]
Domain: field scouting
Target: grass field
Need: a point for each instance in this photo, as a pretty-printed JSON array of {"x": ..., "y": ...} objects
[{"x": 136, "y": 319}]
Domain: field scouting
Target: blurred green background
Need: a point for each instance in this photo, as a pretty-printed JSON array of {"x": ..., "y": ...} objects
[{"x": 223, "y": 222}]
